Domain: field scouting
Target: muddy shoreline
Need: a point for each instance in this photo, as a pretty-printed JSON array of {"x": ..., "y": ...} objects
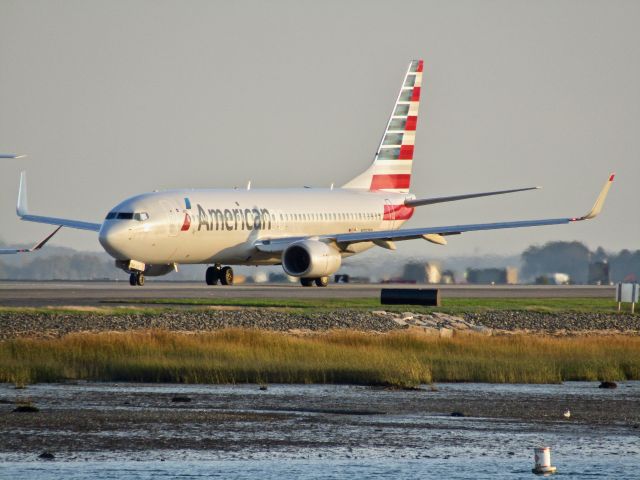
[{"x": 93, "y": 420}]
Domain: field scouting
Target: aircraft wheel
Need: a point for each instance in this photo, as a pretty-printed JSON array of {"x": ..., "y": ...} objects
[
  {"x": 226, "y": 276},
  {"x": 132, "y": 280},
  {"x": 140, "y": 279},
  {"x": 322, "y": 281},
  {"x": 212, "y": 275},
  {"x": 306, "y": 282}
]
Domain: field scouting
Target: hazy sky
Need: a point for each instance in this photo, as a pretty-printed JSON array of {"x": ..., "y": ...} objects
[{"x": 112, "y": 98}]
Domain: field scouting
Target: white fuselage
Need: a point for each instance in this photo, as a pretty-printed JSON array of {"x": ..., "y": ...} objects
[{"x": 221, "y": 226}]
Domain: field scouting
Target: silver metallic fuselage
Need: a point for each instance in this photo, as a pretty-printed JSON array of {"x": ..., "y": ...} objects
[{"x": 222, "y": 225}]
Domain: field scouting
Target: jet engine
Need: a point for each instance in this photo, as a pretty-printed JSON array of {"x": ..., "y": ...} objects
[{"x": 310, "y": 259}]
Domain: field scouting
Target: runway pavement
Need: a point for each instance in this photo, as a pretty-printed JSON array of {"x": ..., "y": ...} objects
[{"x": 34, "y": 294}]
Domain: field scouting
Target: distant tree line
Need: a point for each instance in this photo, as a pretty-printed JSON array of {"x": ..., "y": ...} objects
[
  {"x": 574, "y": 258},
  {"x": 62, "y": 263},
  {"x": 75, "y": 266}
]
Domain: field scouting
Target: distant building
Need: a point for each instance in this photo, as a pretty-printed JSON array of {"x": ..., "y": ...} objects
[
  {"x": 491, "y": 276},
  {"x": 448, "y": 277},
  {"x": 281, "y": 278},
  {"x": 260, "y": 276},
  {"x": 561, "y": 278},
  {"x": 422, "y": 272},
  {"x": 557, "y": 278},
  {"x": 599, "y": 273}
]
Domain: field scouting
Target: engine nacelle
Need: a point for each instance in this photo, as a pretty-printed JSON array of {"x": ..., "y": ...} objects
[{"x": 310, "y": 259}]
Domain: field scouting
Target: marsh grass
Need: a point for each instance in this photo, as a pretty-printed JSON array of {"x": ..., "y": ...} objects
[{"x": 402, "y": 359}]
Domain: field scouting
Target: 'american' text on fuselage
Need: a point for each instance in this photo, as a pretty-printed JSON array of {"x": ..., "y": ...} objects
[{"x": 233, "y": 218}]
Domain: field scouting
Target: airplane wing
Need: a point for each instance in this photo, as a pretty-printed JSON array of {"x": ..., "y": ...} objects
[
  {"x": 11, "y": 155},
  {"x": 23, "y": 212},
  {"x": 384, "y": 238},
  {"x": 37, "y": 246}
]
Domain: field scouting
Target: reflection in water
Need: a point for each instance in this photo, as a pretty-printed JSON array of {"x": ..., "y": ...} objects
[{"x": 318, "y": 469}]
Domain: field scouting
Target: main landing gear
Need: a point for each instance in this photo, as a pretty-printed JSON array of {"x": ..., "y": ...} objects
[
  {"x": 320, "y": 281},
  {"x": 216, "y": 274},
  {"x": 136, "y": 278}
]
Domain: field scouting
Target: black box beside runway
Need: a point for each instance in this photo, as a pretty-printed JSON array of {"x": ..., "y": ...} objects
[{"x": 429, "y": 297}]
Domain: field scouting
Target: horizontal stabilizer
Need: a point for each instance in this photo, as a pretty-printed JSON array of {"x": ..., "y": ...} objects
[
  {"x": 37, "y": 246},
  {"x": 11, "y": 155},
  {"x": 419, "y": 202}
]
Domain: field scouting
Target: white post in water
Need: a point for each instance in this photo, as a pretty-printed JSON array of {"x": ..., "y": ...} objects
[{"x": 542, "y": 457}]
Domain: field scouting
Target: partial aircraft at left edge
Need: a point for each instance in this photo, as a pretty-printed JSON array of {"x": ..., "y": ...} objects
[{"x": 306, "y": 230}]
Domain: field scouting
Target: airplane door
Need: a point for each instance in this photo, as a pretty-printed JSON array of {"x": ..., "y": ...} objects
[
  {"x": 389, "y": 213},
  {"x": 173, "y": 218}
]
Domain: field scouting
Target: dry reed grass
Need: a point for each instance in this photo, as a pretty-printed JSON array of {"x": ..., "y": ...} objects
[{"x": 402, "y": 359}]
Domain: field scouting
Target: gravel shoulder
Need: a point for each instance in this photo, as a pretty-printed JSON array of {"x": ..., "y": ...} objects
[{"x": 34, "y": 323}]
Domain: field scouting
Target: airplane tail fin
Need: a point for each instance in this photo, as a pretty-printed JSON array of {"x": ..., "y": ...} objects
[{"x": 391, "y": 168}]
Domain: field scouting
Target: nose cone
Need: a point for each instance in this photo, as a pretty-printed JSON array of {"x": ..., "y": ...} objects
[{"x": 115, "y": 238}]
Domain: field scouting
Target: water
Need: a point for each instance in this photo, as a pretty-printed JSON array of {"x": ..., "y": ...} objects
[
  {"x": 319, "y": 431},
  {"x": 318, "y": 469}
]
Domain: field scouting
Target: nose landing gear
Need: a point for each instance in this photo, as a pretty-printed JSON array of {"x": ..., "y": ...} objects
[{"x": 217, "y": 274}]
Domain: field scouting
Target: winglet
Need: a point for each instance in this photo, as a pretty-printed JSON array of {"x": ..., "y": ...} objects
[
  {"x": 597, "y": 207},
  {"x": 21, "y": 207}
]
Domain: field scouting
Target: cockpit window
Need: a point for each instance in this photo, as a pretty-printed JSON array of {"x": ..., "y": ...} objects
[
  {"x": 111, "y": 215},
  {"x": 140, "y": 216},
  {"x": 125, "y": 216}
]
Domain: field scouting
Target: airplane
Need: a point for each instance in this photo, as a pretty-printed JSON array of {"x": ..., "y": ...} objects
[{"x": 306, "y": 230}]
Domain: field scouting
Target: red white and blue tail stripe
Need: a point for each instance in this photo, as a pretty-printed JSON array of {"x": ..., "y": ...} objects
[{"x": 391, "y": 168}]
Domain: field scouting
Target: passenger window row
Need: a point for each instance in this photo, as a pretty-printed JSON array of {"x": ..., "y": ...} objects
[{"x": 342, "y": 216}]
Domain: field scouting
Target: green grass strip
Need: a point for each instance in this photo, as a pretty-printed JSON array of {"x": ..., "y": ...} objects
[{"x": 449, "y": 305}]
